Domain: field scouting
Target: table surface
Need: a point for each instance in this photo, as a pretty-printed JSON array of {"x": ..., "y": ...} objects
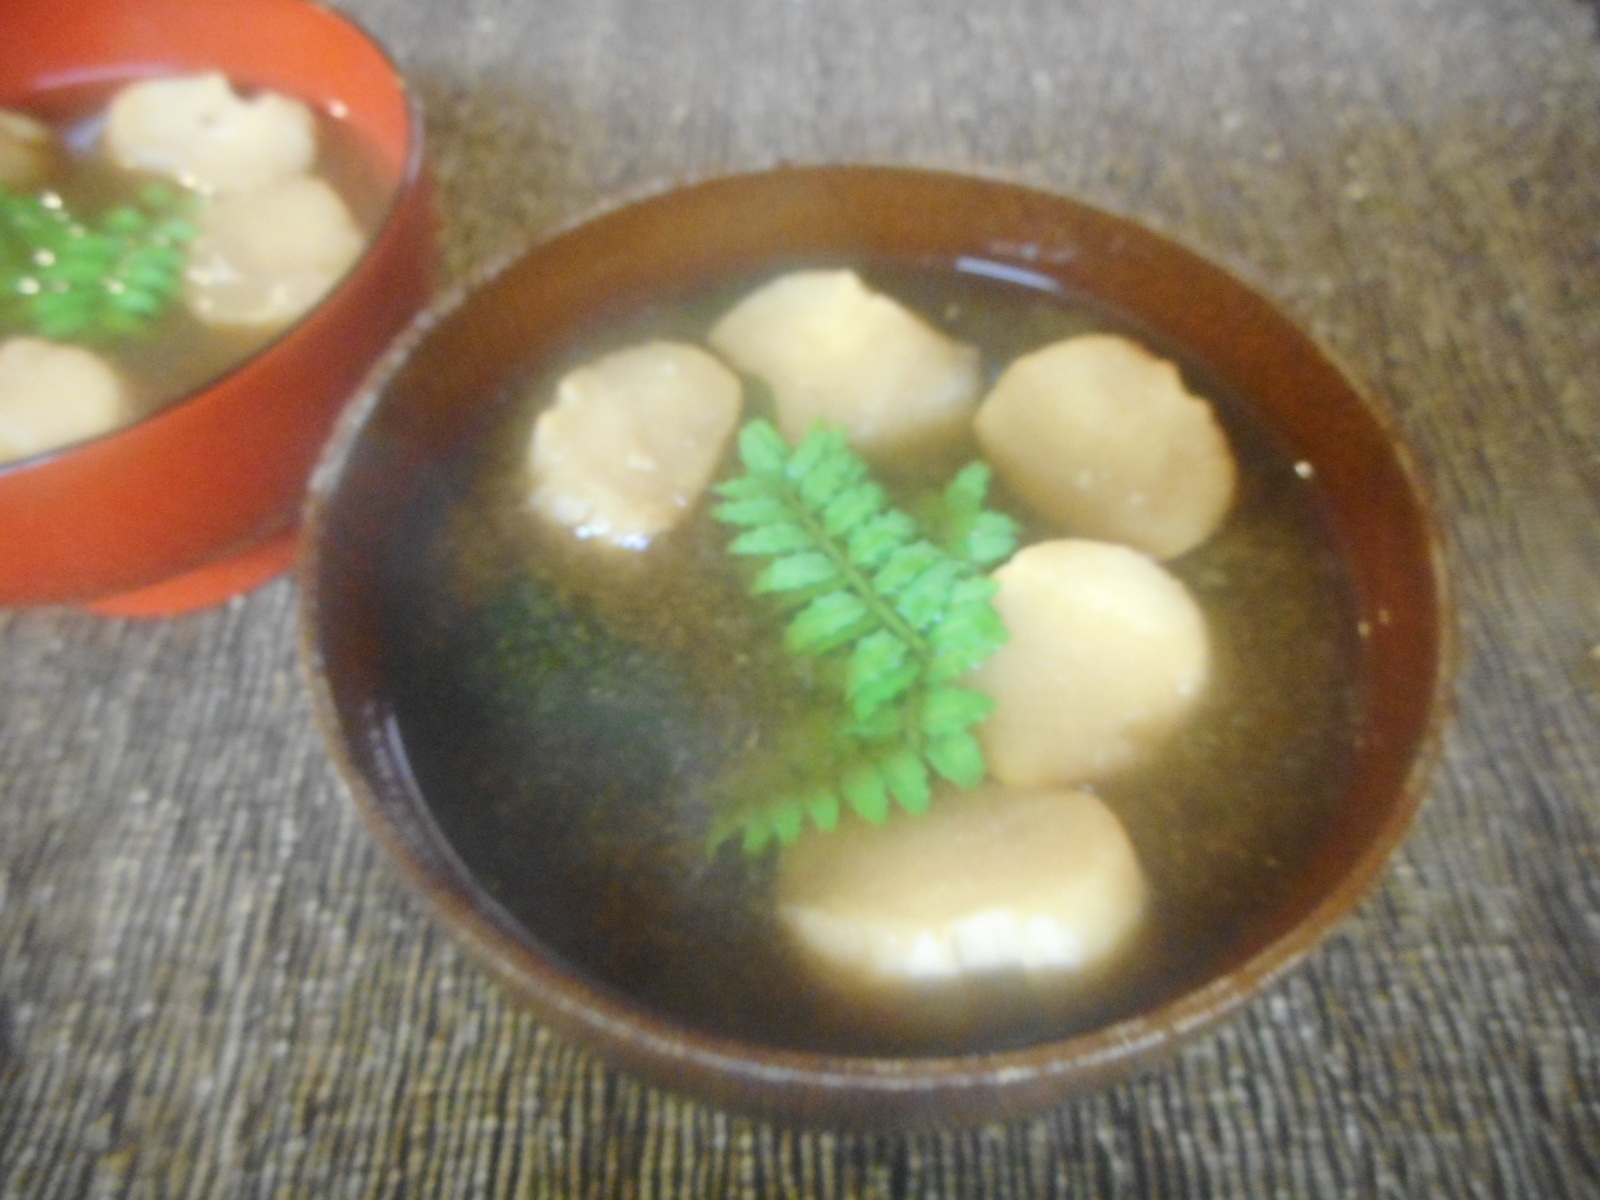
[{"x": 212, "y": 984}]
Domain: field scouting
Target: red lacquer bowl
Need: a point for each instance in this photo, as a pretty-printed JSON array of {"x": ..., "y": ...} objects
[{"x": 200, "y": 500}]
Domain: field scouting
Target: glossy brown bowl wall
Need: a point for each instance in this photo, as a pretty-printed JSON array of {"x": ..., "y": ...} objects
[{"x": 432, "y": 392}]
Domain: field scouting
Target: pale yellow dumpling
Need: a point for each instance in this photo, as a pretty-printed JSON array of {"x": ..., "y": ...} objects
[
  {"x": 1100, "y": 436},
  {"x": 26, "y": 151},
  {"x": 1107, "y": 654},
  {"x": 833, "y": 350},
  {"x": 264, "y": 257},
  {"x": 53, "y": 395},
  {"x": 197, "y": 130},
  {"x": 631, "y": 440},
  {"x": 999, "y": 880}
]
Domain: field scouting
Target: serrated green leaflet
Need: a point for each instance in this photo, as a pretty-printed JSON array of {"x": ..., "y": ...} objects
[
  {"x": 892, "y": 609},
  {"x": 905, "y": 565},
  {"x": 991, "y": 539},
  {"x": 851, "y": 508},
  {"x": 877, "y": 538},
  {"x": 957, "y": 520},
  {"x": 826, "y": 623},
  {"x": 877, "y": 654},
  {"x": 788, "y": 819},
  {"x": 958, "y": 758},
  {"x": 947, "y": 710},
  {"x": 756, "y": 511},
  {"x": 796, "y": 571},
  {"x": 926, "y": 598},
  {"x": 907, "y": 776},
  {"x": 776, "y": 537},
  {"x": 966, "y": 492},
  {"x": 762, "y": 448},
  {"x": 864, "y": 787},
  {"x": 823, "y": 809},
  {"x": 870, "y": 696}
]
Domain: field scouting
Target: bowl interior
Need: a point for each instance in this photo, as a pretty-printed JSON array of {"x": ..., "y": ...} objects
[
  {"x": 233, "y": 434},
  {"x": 562, "y": 841},
  {"x": 300, "y": 48}
]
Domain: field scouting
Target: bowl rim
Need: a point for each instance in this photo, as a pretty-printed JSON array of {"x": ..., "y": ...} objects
[
  {"x": 412, "y": 173},
  {"x": 960, "y": 1089}
]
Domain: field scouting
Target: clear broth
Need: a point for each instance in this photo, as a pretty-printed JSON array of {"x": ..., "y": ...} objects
[
  {"x": 180, "y": 355},
  {"x": 564, "y": 706}
]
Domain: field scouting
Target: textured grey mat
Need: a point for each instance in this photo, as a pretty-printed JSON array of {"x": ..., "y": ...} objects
[{"x": 212, "y": 985}]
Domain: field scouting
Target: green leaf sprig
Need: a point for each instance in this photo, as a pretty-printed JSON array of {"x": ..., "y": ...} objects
[
  {"x": 69, "y": 280},
  {"x": 885, "y": 613}
]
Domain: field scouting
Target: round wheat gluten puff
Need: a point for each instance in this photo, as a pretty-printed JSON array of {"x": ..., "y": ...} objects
[
  {"x": 631, "y": 440},
  {"x": 262, "y": 258},
  {"x": 1040, "y": 882},
  {"x": 832, "y": 350},
  {"x": 1107, "y": 654},
  {"x": 1101, "y": 437},
  {"x": 52, "y": 395},
  {"x": 197, "y": 130}
]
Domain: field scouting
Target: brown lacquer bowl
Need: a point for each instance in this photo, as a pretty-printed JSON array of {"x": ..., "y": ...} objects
[{"x": 542, "y": 800}]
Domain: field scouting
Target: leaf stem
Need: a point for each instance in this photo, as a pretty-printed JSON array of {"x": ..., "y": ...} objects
[
  {"x": 896, "y": 610},
  {"x": 859, "y": 582}
]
